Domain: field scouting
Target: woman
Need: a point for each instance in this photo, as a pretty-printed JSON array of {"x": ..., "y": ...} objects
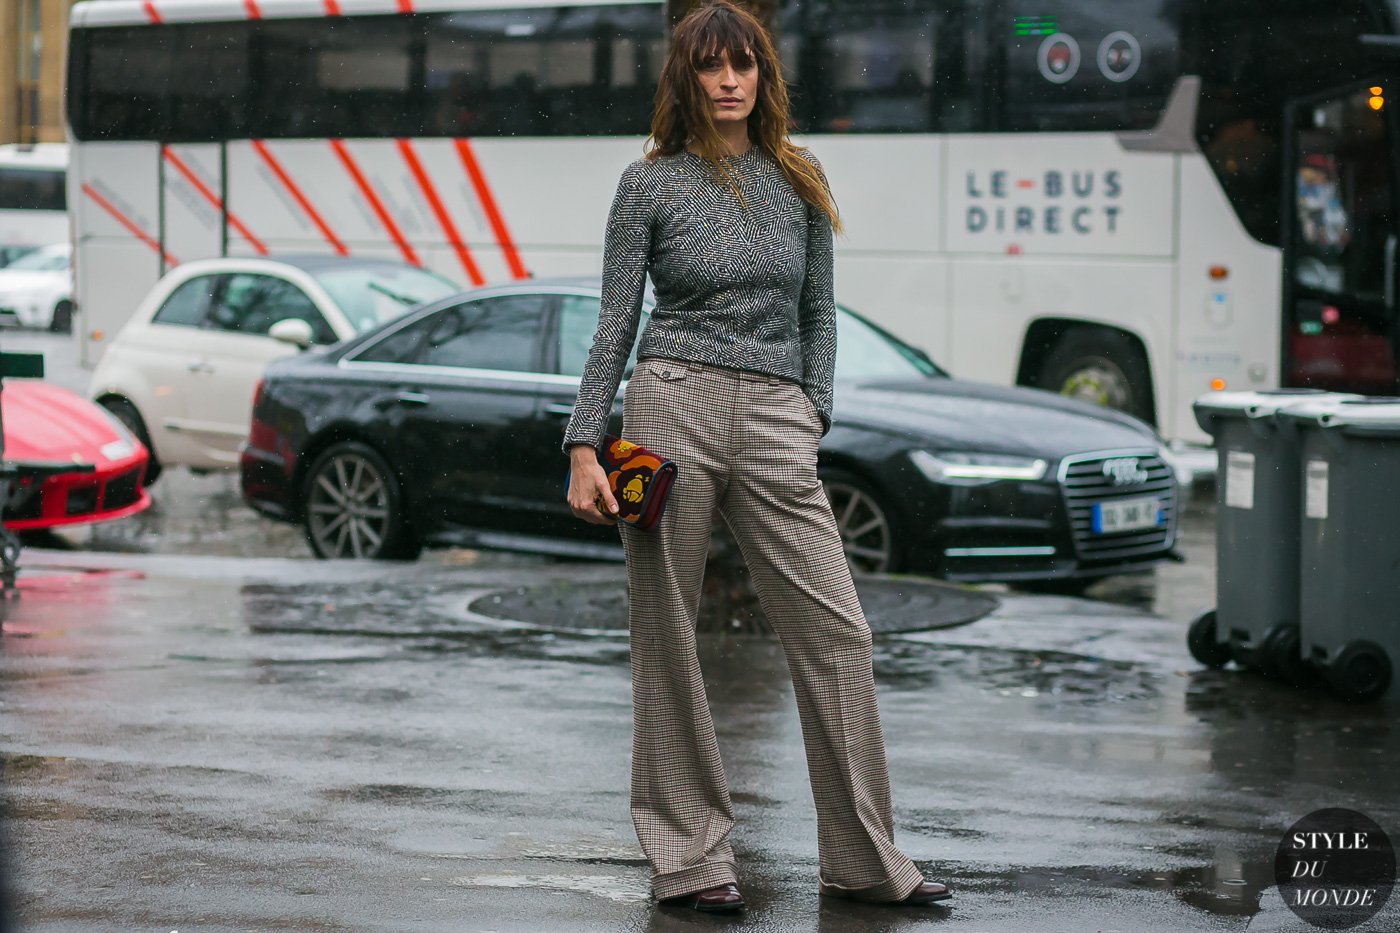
[{"x": 734, "y": 383}]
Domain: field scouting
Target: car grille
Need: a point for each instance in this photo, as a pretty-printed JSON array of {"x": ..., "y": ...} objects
[
  {"x": 1084, "y": 483},
  {"x": 31, "y": 507},
  {"x": 81, "y": 499},
  {"x": 121, "y": 491}
]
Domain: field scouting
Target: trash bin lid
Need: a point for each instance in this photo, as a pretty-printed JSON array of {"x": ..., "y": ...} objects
[
  {"x": 1375, "y": 416},
  {"x": 1262, "y": 404},
  {"x": 1345, "y": 409}
]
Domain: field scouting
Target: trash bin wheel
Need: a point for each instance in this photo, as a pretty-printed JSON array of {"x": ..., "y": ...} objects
[
  {"x": 1203, "y": 643},
  {"x": 1359, "y": 671},
  {"x": 1281, "y": 656}
]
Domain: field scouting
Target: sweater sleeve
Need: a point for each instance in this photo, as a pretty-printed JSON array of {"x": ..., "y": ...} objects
[
  {"x": 626, "y": 257},
  {"x": 817, "y": 313}
]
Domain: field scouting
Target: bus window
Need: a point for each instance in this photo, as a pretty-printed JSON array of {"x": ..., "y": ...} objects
[
  {"x": 1252, "y": 57},
  {"x": 1077, "y": 66},
  {"x": 346, "y": 77},
  {"x": 562, "y": 71},
  {"x": 129, "y": 90},
  {"x": 867, "y": 67},
  {"x": 209, "y": 83},
  {"x": 23, "y": 189}
]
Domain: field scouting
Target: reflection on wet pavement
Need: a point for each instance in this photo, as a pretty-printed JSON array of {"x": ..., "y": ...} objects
[{"x": 275, "y": 745}]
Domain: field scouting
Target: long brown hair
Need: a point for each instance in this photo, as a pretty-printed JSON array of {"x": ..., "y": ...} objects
[{"x": 683, "y": 110}]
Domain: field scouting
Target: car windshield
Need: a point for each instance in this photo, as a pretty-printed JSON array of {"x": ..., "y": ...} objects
[
  {"x": 372, "y": 294},
  {"x": 865, "y": 352},
  {"x": 48, "y": 259}
]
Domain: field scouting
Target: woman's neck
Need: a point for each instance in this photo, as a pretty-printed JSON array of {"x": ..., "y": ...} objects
[{"x": 735, "y": 139}]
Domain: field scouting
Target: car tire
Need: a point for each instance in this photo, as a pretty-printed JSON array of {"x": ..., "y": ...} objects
[
  {"x": 62, "y": 320},
  {"x": 127, "y": 414},
  {"x": 1203, "y": 644},
  {"x": 353, "y": 506},
  {"x": 1101, "y": 366},
  {"x": 872, "y": 541}
]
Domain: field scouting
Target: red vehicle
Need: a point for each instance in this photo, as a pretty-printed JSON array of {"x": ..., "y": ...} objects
[{"x": 46, "y": 423}]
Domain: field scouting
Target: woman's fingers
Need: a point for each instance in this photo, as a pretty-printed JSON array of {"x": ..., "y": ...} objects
[{"x": 593, "y": 501}]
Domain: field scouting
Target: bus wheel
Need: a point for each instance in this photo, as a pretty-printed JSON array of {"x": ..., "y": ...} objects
[
  {"x": 1100, "y": 366},
  {"x": 62, "y": 320}
]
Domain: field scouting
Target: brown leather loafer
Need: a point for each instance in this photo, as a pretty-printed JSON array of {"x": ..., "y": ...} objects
[
  {"x": 726, "y": 897},
  {"x": 928, "y": 892}
]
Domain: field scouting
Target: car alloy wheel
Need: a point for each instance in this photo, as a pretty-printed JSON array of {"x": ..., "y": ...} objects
[
  {"x": 353, "y": 508},
  {"x": 866, "y": 533}
]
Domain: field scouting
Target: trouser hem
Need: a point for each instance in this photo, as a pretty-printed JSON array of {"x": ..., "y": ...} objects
[
  {"x": 695, "y": 878},
  {"x": 895, "y": 888}
]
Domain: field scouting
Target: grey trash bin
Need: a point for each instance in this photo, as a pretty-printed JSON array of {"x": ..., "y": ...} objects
[
  {"x": 1255, "y": 619},
  {"x": 1349, "y": 599}
]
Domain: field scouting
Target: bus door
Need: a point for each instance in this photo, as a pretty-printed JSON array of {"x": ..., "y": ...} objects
[{"x": 1340, "y": 241}]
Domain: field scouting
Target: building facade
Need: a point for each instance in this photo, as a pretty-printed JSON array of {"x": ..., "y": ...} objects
[{"x": 33, "y": 35}]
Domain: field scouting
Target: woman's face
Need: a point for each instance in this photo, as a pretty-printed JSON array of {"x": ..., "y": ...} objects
[{"x": 731, "y": 86}]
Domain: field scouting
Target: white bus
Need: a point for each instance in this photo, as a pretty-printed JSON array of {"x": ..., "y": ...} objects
[
  {"x": 33, "y": 198},
  {"x": 1134, "y": 202}
]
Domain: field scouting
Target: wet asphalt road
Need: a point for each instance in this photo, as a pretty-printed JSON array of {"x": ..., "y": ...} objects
[{"x": 239, "y": 742}]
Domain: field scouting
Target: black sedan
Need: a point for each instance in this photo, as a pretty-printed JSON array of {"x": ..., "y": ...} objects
[{"x": 444, "y": 426}]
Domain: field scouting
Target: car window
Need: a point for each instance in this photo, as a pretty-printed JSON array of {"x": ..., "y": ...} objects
[
  {"x": 578, "y": 322},
  {"x": 251, "y": 304},
  {"x": 401, "y": 346},
  {"x": 187, "y": 304},
  {"x": 370, "y": 294},
  {"x": 48, "y": 259},
  {"x": 492, "y": 333},
  {"x": 862, "y": 352}
]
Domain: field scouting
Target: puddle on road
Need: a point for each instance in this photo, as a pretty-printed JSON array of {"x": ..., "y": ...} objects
[
  {"x": 1015, "y": 672},
  {"x": 617, "y": 888}
]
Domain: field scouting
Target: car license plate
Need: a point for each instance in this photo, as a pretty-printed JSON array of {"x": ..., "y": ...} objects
[{"x": 1127, "y": 515}]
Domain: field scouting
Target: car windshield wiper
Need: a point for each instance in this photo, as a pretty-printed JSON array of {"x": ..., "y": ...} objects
[{"x": 397, "y": 296}]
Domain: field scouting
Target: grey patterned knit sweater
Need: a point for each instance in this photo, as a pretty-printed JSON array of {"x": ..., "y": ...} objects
[{"x": 747, "y": 289}]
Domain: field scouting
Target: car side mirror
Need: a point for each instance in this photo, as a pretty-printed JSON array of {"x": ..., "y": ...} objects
[{"x": 292, "y": 330}]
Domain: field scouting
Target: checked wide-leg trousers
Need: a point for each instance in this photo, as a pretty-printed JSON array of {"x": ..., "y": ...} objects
[{"x": 746, "y": 446}]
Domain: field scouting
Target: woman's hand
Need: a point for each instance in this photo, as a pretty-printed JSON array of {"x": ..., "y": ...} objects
[{"x": 589, "y": 496}]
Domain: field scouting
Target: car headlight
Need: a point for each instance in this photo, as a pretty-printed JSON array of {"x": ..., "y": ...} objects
[{"x": 961, "y": 468}]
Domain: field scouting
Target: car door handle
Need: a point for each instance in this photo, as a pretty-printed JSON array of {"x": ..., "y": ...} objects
[
  {"x": 559, "y": 408},
  {"x": 200, "y": 366},
  {"x": 414, "y": 399}
]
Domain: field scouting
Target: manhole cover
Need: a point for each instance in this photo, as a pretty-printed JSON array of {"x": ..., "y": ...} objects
[{"x": 891, "y": 604}]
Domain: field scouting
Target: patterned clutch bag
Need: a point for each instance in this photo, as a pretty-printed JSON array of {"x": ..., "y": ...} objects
[{"x": 640, "y": 481}]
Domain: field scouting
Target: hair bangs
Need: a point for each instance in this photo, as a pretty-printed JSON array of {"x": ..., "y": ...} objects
[{"x": 723, "y": 32}]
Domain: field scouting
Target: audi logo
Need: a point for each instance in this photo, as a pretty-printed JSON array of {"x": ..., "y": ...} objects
[{"x": 1125, "y": 471}]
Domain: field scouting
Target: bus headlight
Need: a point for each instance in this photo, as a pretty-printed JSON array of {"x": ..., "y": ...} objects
[{"x": 961, "y": 468}]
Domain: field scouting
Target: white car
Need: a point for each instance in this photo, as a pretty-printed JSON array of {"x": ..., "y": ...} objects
[
  {"x": 36, "y": 290},
  {"x": 182, "y": 372}
]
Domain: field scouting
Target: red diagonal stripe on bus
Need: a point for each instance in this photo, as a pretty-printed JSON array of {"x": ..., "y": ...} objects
[
  {"x": 252, "y": 7},
  {"x": 261, "y": 149},
  {"x": 405, "y": 6},
  {"x": 488, "y": 204},
  {"x": 213, "y": 199},
  {"x": 449, "y": 229},
  {"x": 332, "y": 8},
  {"x": 375, "y": 204},
  {"x": 151, "y": 13},
  {"x": 128, "y": 223}
]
